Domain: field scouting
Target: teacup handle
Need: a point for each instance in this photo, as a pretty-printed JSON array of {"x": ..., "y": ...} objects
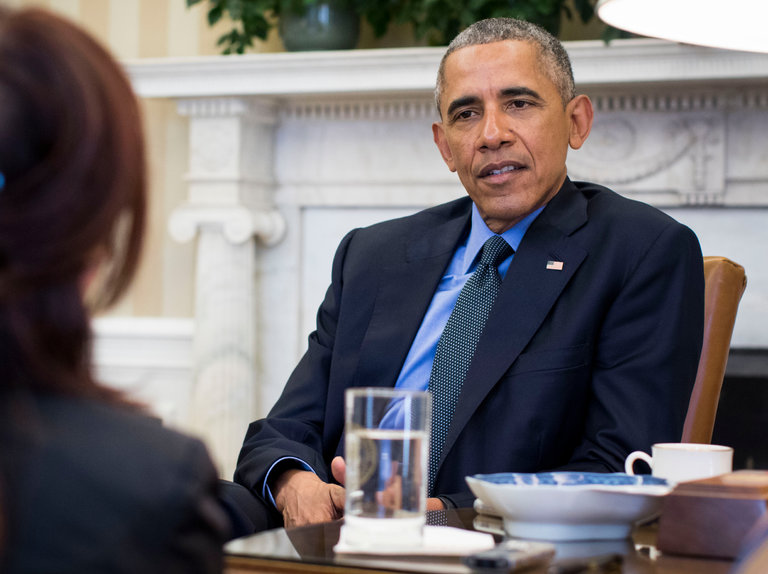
[{"x": 629, "y": 463}]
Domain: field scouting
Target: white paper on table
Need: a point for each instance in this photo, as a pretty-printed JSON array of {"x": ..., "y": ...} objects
[{"x": 437, "y": 541}]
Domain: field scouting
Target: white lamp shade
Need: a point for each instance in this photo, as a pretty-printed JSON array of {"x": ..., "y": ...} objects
[{"x": 732, "y": 24}]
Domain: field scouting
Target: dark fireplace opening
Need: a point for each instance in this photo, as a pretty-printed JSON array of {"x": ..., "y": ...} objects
[{"x": 742, "y": 415}]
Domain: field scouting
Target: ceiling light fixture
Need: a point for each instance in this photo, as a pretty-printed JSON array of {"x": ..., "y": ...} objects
[{"x": 732, "y": 24}]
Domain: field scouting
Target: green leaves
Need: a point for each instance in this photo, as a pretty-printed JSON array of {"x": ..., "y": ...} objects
[
  {"x": 585, "y": 8},
  {"x": 436, "y": 20},
  {"x": 440, "y": 20},
  {"x": 379, "y": 13},
  {"x": 249, "y": 18},
  {"x": 215, "y": 14}
]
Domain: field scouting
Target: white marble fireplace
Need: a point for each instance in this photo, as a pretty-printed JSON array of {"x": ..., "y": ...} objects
[{"x": 289, "y": 151}]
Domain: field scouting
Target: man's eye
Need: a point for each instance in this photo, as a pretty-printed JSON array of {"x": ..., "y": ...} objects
[
  {"x": 464, "y": 114},
  {"x": 519, "y": 104}
]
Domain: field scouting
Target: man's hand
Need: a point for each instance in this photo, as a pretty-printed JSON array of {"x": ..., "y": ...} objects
[
  {"x": 339, "y": 470},
  {"x": 303, "y": 498}
]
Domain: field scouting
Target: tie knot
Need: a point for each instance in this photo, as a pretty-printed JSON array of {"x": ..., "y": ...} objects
[{"x": 495, "y": 250}]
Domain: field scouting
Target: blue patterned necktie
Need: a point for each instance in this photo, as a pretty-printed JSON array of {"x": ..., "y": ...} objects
[{"x": 458, "y": 342}]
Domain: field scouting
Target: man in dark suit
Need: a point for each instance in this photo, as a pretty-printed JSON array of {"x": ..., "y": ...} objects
[{"x": 592, "y": 344}]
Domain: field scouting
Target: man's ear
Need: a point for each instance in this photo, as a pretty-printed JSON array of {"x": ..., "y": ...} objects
[
  {"x": 580, "y": 114},
  {"x": 438, "y": 133}
]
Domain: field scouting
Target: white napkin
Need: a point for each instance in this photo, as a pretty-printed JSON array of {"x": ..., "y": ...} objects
[{"x": 437, "y": 541}]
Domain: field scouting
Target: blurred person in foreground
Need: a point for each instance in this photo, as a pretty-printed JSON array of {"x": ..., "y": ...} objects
[
  {"x": 591, "y": 347},
  {"x": 88, "y": 481}
]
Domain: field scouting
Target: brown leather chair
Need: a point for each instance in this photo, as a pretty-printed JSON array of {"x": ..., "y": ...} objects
[{"x": 725, "y": 282}]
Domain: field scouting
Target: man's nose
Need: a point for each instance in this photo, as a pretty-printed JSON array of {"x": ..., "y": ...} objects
[{"x": 494, "y": 130}]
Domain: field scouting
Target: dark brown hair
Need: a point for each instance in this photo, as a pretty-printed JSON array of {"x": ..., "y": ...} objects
[{"x": 73, "y": 197}]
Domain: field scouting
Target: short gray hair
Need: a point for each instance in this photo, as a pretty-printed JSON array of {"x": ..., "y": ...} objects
[{"x": 553, "y": 56}]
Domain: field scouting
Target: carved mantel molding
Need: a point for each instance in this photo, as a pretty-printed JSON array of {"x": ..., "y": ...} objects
[{"x": 413, "y": 70}]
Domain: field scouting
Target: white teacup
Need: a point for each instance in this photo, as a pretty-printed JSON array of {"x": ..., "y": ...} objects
[{"x": 680, "y": 461}]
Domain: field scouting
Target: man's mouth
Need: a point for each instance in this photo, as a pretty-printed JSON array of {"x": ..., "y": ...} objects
[
  {"x": 502, "y": 170},
  {"x": 499, "y": 169}
]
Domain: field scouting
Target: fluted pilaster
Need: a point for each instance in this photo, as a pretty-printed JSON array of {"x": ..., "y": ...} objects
[{"x": 229, "y": 207}]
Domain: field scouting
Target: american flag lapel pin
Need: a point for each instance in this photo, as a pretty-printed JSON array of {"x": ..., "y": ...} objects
[{"x": 555, "y": 265}]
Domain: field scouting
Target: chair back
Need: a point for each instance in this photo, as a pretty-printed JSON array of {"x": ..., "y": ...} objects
[{"x": 724, "y": 284}]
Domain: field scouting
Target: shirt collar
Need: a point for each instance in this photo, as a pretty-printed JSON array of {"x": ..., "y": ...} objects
[{"x": 479, "y": 234}]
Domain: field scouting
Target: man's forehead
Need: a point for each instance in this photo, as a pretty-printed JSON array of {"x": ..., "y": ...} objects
[
  {"x": 470, "y": 63},
  {"x": 520, "y": 47},
  {"x": 505, "y": 57}
]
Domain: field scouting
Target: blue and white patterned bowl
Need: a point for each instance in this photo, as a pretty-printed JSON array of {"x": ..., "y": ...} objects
[{"x": 569, "y": 505}]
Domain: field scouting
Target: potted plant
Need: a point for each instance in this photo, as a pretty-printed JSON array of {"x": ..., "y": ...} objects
[
  {"x": 437, "y": 21},
  {"x": 303, "y": 24},
  {"x": 440, "y": 20}
]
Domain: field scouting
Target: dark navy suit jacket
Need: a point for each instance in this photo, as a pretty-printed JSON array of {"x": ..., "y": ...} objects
[{"x": 575, "y": 368}]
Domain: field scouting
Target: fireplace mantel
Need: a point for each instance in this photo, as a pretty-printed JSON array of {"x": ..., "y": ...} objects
[
  {"x": 412, "y": 70},
  {"x": 289, "y": 151}
]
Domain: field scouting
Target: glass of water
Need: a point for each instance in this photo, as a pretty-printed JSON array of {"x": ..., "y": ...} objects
[{"x": 386, "y": 451}]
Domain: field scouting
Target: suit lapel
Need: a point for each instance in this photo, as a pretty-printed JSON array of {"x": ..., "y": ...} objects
[
  {"x": 405, "y": 290},
  {"x": 527, "y": 295}
]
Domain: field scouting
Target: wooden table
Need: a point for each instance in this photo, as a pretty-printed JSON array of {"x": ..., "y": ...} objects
[{"x": 310, "y": 550}]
